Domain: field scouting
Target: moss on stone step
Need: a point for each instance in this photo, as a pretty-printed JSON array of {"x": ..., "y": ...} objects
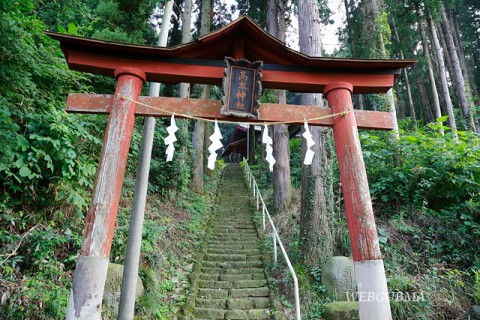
[
  {"x": 230, "y": 281},
  {"x": 250, "y": 292},
  {"x": 341, "y": 310},
  {"x": 248, "y": 303},
  {"x": 208, "y": 313}
]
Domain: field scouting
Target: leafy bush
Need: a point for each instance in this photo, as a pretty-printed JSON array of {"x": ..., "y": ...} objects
[
  {"x": 436, "y": 184},
  {"x": 48, "y": 156},
  {"x": 436, "y": 172}
]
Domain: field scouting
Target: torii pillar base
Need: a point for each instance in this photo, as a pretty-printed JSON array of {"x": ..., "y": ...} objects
[
  {"x": 369, "y": 269},
  {"x": 86, "y": 296}
]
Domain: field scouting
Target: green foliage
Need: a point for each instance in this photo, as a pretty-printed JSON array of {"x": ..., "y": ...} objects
[
  {"x": 436, "y": 172},
  {"x": 42, "y": 259},
  {"x": 437, "y": 179},
  {"x": 296, "y": 162},
  {"x": 166, "y": 177},
  {"x": 312, "y": 291},
  {"x": 171, "y": 237},
  {"x": 48, "y": 156},
  {"x": 123, "y": 21}
]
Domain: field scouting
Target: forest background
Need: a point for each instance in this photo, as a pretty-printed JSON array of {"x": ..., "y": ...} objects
[{"x": 424, "y": 181}]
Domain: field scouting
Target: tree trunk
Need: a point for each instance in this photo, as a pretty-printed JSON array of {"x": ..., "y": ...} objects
[
  {"x": 359, "y": 97},
  {"x": 427, "y": 111},
  {"x": 206, "y": 136},
  {"x": 251, "y": 143},
  {"x": 461, "y": 52},
  {"x": 184, "y": 88},
  {"x": 469, "y": 79},
  {"x": 443, "y": 78},
  {"x": 457, "y": 71},
  {"x": 372, "y": 11},
  {"x": 431, "y": 76},
  {"x": 272, "y": 16},
  {"x": 198, "y": 137},
  {"x": 425, "y": 101},
  {"x": 315, "y": 237},
  {"x": 196, "y": 183},
  {"x": 448, "y": 62},
  {"x": 411, "y": 106},
  {"x": 282, "y": 185},
  {"x": 400, "y": 102}
]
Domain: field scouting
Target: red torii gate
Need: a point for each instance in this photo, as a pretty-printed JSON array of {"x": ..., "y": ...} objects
[{"x": 202, "y": 62}]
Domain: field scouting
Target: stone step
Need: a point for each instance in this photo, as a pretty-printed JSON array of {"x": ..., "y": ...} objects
[
  {"x": 234, "y": 214},
  {"x": 249, "y": 292},
  {"x": 243, "y": 213},
  {"x": 211, "y": 303},
  {"x": 248, "y": 303},
  {"x": 233, "y": 242},
  {"x": 222, "y": 230},
  {"x": 231, "y": 221},
  {"x": 232, "y": 237},
  {"x": 233, "y": 232},
  {"x": 248, "y": 252},
  {"x": 233, "y": 264},
  {"x": 240, "y": 284},
  {"x": 231, "y": 257},
  {"x": 258, "y": 314},
  {"x": 212, "y": 270},
  {"x": 208, "y": 313},
  {"x": 208, "y": 293},
  {"x": 232, "y": 282},
  {"x": 232, "y": 277},
  {"x": 249, "y": 241},
  {"x": 233, "y": 224},
  {"x": 234, "y": 246},
  {"x": 234, "y": 304}
]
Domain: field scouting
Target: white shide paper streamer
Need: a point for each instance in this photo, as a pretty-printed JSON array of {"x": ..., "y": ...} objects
[
  {"x": 310, "y": 143},
  {"x": 268, "y": 147},
  {"x": 170, "y": 139},
  {"x": 216, "y": 144}
]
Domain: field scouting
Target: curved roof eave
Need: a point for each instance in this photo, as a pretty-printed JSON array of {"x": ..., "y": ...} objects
[{"x": 258, "y": 45}]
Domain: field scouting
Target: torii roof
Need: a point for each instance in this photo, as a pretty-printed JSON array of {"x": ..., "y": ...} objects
[{"x": 202, "y": 61}]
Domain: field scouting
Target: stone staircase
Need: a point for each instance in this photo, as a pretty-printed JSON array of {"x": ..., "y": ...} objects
[{"x": 230, "y": 282}]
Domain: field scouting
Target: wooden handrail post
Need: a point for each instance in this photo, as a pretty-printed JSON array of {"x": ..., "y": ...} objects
[
  {"x": 85, "y": 301},
  {"x": 369, "y": 269}
]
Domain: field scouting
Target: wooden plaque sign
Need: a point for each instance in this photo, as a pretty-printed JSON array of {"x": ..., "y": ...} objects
[{"x": 241, "y": 88}]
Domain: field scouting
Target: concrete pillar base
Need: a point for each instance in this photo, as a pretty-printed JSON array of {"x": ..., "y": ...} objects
[
  {"x": 85, "y": 302},
  {"x": 374, "y": 303}
]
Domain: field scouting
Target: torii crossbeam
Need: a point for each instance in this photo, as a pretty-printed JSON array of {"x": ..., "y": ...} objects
[{"x": 202, "y": 62}]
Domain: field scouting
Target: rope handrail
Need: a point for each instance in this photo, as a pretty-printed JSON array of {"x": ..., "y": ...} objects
[{"x": 276, "y": 238}]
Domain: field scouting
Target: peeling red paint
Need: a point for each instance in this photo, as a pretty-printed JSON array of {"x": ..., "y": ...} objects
[
  {"x": 358, "y": 204},
  {"x": 210, "y": 109},
  {"x": 103, "y": 209},
  {"x": 167, "y": 72}
]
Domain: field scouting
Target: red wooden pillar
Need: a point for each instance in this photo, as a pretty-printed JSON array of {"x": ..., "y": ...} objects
[
  {"x": 92, "y": 263},
  {"x": 369, "y": 269}
]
